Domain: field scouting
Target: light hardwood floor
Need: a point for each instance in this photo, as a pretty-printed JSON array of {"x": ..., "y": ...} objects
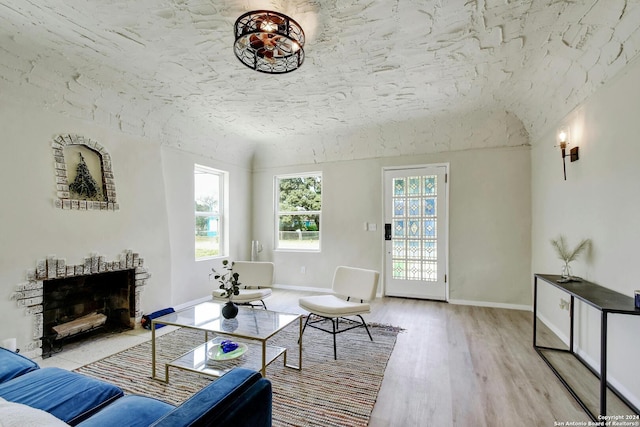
[
  {"x": 452, "y": 366},
  {"x": 461, "y": 366}
]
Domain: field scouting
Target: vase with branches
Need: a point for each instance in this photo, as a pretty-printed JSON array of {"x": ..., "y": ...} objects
[
  {"x": 230, "y": 286},
  {"x": 568, "y": 255}
]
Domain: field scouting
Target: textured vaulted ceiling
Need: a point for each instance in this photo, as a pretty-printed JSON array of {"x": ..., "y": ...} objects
[{"x": 165, "y": 69}]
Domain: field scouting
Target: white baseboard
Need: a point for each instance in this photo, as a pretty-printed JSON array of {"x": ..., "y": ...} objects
[
  {"x": 459, "y": 302},
  {"x": 309, "y": 289},
  {"x": 491, "y": 304},
  {"x": 193, "y": 302},
  {"x": 209, "y": 298},
  {"x": 302, "y": 288},
  {"x": 327, "y": 290}
]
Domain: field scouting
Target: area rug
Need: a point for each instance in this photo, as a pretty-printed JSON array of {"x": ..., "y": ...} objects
[{"x": 325, "y": 393}]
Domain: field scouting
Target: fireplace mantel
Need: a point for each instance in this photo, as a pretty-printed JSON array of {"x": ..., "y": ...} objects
[{"x": 30, "y": 294}]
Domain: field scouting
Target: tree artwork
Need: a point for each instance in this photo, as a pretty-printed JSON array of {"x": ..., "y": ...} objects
[{"x": 84, "y": 185}]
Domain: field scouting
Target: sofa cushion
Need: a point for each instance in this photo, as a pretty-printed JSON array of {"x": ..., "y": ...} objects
[
  {"x": 19, "y": 415},
  {"x": 13, "y": 365},
  {"x": 67, "y": 395},
  {"x": 130, "y": 411},
  {"x": 332, "y": 306}
]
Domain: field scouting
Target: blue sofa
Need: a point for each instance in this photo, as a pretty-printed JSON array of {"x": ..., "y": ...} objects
[{"x": 239, "y": 398}]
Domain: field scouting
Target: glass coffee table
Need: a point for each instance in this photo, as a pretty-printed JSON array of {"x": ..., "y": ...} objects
[{"x": 252, "y": 327}]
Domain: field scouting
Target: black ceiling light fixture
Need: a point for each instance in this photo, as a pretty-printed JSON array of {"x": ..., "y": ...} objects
[{"x": 269, "y": 42}]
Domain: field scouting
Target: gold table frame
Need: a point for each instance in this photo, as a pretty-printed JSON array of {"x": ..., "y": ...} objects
[{"x": 254, "y": 326}]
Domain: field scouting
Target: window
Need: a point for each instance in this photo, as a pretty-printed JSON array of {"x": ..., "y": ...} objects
[
  {"x": 209, "y": 211},
  {"x": 298, "y": 211}
]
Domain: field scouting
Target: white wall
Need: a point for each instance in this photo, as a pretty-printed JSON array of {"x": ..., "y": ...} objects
[
  {"x": 32, "y": 228},
  {"x": 189, "y": 277},
  {"x": 490, "y": 222},
  {"x": 599, "y": 200},
  {"x": 155, "y": 192}
]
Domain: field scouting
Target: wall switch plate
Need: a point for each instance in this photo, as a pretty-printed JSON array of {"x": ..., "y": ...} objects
[{"x": 372, "y": 227}]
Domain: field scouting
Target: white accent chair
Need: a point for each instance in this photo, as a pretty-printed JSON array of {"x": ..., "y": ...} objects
[
  {"x": 351, "y": 288},
  {"x": 256, "y": 279}
]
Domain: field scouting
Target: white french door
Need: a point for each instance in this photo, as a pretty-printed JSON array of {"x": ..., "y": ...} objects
[{"x": 415, "y": 204}]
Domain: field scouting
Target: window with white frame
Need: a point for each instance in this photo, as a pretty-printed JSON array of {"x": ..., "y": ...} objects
[
  {"x": 298, "y": 211},
  {"x": 209, "y": 199}
]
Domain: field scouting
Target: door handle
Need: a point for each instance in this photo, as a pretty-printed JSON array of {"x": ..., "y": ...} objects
[{"x": 387, "y": 232}]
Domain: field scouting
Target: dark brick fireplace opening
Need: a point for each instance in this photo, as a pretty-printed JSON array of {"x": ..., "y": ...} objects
[
  {"x": 30, "y": 295},
  {"x": 81, "y": 306}
]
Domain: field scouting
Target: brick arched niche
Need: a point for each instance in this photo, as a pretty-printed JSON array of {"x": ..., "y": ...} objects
[{"x": 92, "y": 158}]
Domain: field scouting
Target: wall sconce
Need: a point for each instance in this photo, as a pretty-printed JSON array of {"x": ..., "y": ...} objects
[{"x": 563, "y": 140}]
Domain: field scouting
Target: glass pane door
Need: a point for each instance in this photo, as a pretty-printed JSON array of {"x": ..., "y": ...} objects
[{"x": 415, "y": 212}]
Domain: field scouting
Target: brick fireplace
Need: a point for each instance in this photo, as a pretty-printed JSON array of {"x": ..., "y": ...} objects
[{"x": 65, "y": 300}]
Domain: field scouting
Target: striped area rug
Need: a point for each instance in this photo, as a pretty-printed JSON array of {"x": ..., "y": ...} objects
[{"x": 325, "y": 393}]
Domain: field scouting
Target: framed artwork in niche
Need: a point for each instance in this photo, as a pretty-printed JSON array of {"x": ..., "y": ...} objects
[{"x": 83, "y": 174}]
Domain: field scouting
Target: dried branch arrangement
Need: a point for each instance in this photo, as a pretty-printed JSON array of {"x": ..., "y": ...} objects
[{"x": 565, "y": 253}]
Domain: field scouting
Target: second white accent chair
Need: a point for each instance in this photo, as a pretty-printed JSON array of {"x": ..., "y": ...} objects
[
  {"x": 256, "y": 279},
  {"x": 353, "y": 289}
]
